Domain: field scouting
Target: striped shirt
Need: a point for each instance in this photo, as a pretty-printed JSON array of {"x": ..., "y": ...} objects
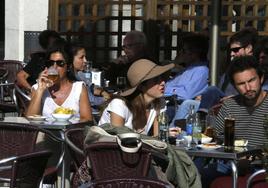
[{"x": 249, "y": 121}]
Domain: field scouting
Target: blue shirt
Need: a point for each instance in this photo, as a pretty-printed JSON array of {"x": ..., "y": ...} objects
[
  {"x": 94, "y": 100},
  {"x": 189, "y": 83}
]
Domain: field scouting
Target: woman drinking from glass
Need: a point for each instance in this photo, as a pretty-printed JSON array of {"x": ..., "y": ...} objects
[{"x": 61, "y": 91}]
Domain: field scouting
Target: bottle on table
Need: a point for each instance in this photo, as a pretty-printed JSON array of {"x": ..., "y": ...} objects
[
  {"x": 87, "y": 71},
  {"x": 163, "y": 127},
  {"x": 190, "y": 120}
]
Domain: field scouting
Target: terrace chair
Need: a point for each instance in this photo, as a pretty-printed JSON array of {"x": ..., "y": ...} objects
[
  {"x": 257, "y": 179},
  {"x": 75, "y": 140},
  {"x": 13, "y": 67},
  {"x": 24, "y": 170},
  {"x": 19, "y": 139},
  {"x": 107, "y": 160},
  {"x": 8, "y": 103},
  {"x": 129, "y": 182}
]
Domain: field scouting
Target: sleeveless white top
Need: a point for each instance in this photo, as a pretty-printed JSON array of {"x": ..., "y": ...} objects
[{"x": 48, "y": 105}]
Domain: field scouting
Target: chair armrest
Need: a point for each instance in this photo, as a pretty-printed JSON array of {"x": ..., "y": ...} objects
[{"x": 21, "y": 92}]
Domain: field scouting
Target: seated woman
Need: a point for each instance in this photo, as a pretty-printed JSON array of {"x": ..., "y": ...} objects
[
  {"x": 97, "y": 95},
  {"x": 65, "y": 91},
  {"x": 138, "y": 106}
]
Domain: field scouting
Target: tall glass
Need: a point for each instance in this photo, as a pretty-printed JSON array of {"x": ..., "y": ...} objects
[
  {"x": 210, "y": 124},
  {"x": 121, "y": 82},
  {"x": 53, "y": 74},
  {"x": 229, "y": 133}
]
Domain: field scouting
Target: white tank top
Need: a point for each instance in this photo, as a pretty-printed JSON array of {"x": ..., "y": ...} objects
[{"x": 72, "y": 101}]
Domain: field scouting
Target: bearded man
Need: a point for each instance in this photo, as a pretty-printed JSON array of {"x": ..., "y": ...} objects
[{"x": 249, "y": 107}]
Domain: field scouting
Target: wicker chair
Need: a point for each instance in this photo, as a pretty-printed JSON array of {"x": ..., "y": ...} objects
[
  {"x": 129, "y": 183},
  {"x": 13, "y": 68},
  {"x": 75, "y": 140},
  {"x": 24, "y": 170},
  {"x": 107, "y": 160},
  {"x": 20, "y": 139},
  {"x": 8, "y": 104}
]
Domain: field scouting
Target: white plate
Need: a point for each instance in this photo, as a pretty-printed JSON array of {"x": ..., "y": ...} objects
[
  {"x": 36, "y": 118},
  {"x": 208, "y": 147},
  {"x": 62, "y": 117}
]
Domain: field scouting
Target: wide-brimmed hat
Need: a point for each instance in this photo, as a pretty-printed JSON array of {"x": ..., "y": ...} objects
[{"x": 141, "y": 70}]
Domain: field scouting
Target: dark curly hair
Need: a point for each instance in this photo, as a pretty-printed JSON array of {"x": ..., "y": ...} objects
[
  {"x": 46, "y": 36},
  {"x": 242, "y": 63}
]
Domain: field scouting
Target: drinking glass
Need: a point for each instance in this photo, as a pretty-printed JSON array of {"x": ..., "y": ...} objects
[
  {"x": 121, "y": 82},
  {"x": 53, "y": 74},
  {"x": 229, "y": 134}
]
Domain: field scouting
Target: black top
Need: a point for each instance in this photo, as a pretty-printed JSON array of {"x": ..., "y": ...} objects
[{"x": 35, "y": 66}]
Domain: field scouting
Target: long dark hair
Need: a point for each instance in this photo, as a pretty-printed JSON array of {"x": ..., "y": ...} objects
[{"x": 72, "y": 50}]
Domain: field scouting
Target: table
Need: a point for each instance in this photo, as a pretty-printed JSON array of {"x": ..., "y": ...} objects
[
  {"x": 56, "y": 126},
  {"x": 219, "y": 153}
]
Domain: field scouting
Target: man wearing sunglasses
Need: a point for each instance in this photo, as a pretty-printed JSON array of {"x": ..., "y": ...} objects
[{"x": 241, "y": 43}]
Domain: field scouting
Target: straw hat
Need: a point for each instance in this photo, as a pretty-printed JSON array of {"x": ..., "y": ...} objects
[{"x": 141, "y": 70}]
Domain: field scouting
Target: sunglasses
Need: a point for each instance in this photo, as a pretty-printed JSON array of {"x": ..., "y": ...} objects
[
  {"x": 236, "y": 49},
  {"x": 59, "y": 63}
]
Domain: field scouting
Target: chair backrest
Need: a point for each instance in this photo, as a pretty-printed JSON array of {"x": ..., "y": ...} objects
[
  {"x": 75, "y": 140},
  {"x": 3, "y": 74},
  {"x": 13, "y": 67},
  {"x": 17, "y": 139},
  {"x": 130, "y": 183},
  {"x": 21, "y": 99},
  {"x": 26, "y": 170},
  {"x": 107, "y": 160}
]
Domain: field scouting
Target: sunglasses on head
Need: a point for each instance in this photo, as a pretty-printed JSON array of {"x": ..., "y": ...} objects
[
  {"x": 59, "y": 63},
  {"x": 236, "y": 49}
]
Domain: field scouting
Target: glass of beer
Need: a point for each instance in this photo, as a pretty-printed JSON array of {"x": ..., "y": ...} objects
[
  {"x": 53, "y": 74},
  {"x": 229, "y": 133}
]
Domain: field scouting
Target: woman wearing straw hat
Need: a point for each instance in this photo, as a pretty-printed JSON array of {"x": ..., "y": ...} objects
[{"x": 138, "y": 106}]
